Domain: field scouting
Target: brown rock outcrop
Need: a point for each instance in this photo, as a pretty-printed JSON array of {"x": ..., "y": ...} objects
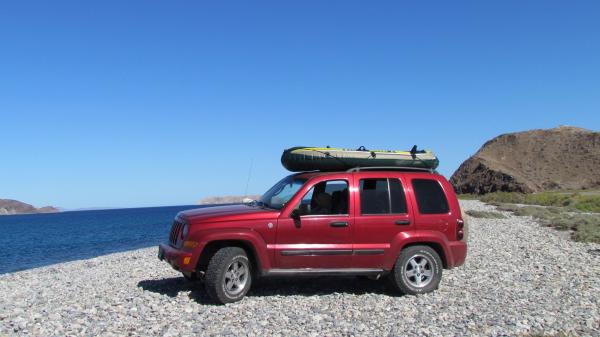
[{"x": 532, "y": 161}]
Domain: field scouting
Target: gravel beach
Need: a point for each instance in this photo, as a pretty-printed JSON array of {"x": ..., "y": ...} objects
[{"x": 519, "y": 279}]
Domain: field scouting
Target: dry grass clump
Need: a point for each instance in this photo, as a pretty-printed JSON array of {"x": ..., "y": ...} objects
[
  {"x": 584, "y": 227},
  {"x": 585, "y": 201},
  {"x": 485, "y": 214}
]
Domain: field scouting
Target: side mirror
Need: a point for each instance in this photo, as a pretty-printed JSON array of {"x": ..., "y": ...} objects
[{"x": 295, "y": 214}]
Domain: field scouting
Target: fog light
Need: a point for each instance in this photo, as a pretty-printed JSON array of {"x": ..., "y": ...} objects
[{"x": 186, "y": 260}]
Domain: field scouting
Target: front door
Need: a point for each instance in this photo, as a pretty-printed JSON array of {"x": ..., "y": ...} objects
[{"x": 319, "y": 232}]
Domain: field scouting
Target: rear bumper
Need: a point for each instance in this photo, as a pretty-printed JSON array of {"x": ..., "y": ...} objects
[
  {"x": 178, "y": 259},
  {"x": 458, "y": 252}
]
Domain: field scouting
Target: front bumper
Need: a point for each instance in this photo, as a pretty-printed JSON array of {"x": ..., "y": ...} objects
[{"x": 180, "y": 260}]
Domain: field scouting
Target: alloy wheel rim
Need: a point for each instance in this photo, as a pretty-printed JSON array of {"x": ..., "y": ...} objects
[
  {"x": 236, "y": 277},
  {"x": 418, "y": 271}
]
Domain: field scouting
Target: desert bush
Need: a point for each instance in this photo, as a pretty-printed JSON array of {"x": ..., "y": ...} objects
[
  {"x": 587, "y": 203},
  {"x": 505, "y": 207},
  {"x": 549, "y": 199},
  {"x": 504, "y": 197},
  {"x": 485, "y": 214},
  {"x": 588, "y": 230},
  {"x": 584, "y": 201},
  {"x": 584, "y": 227},
  {"x": 468, "y": 196}
]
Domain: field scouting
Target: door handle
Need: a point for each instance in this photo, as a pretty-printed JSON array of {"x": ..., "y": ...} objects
[
  {"x": 402, "y": 222},
  {"x": 338, "y": 224}
]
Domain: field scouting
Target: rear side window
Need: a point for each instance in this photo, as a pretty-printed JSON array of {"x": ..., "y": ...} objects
[
  {"x": 382, "y": 196},
  {"x": 430, "y": 196}
]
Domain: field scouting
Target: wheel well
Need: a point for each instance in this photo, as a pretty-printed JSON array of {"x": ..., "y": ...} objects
[
  {"x": 435, "y": 246},
  {"x": 212, "y": 247}
]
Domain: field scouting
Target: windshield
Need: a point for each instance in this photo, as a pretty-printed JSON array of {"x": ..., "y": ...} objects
[{"x": 277, "y": 196}]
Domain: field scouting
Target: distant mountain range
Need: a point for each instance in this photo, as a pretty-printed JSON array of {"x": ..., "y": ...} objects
[
  {"x": 231, "y": 199},
  {"x": 9, "y": 206}
]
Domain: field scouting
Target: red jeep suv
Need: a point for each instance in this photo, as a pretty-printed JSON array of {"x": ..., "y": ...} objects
[{"x": 404, "y": 224}]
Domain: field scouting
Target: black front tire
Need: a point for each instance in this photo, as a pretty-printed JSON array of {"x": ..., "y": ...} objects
[
  {"x": 217, "y": 282},
  {"x": 423, "y": 261}
]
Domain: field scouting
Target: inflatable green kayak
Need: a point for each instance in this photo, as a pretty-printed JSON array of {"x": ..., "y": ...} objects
[{"x": 297, "y": 159}]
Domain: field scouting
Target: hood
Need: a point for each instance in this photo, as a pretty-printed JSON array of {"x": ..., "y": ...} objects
[{"x": 227, "y": 213}]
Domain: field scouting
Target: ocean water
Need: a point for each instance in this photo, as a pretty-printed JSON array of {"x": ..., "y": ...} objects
[{"x": 35, "y": 240}]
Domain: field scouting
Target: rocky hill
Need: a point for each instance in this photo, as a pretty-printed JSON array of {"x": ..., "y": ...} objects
[
  {"x": 232, "y": 199},
  {"x": 8, "y": 207},
  {"x": 533, "y": 161}
]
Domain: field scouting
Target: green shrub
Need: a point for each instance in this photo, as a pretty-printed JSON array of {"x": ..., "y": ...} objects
[
  {"x": 588, "y": 231},
  {"x": 556, "y": 209},
  {"x": 504, "y": 197},
  {"x": 506, "y": 207},
  {"x": 485, "y": 214},
  {"x": 548, "y": 199},
  {"x": 468, "y": 196},
  {"x": 585, "y": 227},
  {"x": 585, "y": 201},
  {"x": 533, "y": 211}
]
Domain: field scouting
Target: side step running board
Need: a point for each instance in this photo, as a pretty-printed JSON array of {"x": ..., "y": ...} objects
[{"x": 323, "y": 271}]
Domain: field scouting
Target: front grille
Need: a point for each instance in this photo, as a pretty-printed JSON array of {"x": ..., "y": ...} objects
[{"x": 175, "y": 231}]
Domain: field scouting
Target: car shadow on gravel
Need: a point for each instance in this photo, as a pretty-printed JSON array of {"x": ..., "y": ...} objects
[
  {"x": 174, "y": 285},
  {"x": 302, "y": 286}
]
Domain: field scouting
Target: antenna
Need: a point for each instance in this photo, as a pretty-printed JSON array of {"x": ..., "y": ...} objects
[{"x": 249, "y": 175}]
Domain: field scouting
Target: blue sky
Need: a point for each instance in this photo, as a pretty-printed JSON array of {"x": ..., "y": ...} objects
[{"x": 142, "y": 103}]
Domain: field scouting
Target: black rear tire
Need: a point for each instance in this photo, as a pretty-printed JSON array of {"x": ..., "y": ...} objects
[
  {"x": 418, "y": 270},
  {"x": 223, "y": 282}
]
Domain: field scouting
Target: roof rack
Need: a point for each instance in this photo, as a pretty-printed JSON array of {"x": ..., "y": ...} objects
[{"x": 390, "y": 168}]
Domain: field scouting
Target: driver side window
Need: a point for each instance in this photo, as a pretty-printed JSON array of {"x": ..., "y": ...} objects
[{"x": 326, "y": 198}]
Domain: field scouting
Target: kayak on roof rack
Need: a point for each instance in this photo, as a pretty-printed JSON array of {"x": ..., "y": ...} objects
[{"x": 300, "y": 158}]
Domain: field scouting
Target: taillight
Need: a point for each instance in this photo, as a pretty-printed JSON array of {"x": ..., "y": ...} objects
[{"x": 460, "y": 232}]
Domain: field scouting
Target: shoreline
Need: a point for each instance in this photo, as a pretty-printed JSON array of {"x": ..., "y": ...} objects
[
  {"x": 514, "y": 282},
  {"x": 58, "y": 264}
]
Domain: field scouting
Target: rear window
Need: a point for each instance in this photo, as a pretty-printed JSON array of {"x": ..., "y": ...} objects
[
  {"x": 430, "y": 196},
  {"x": 382, "y": 196}
]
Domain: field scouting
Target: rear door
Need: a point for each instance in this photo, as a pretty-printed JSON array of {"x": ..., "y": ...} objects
[
  {"x": 381, "y": 214},
  {"x": 322, "y": 235},
  {"x": 432, "y": 209}
]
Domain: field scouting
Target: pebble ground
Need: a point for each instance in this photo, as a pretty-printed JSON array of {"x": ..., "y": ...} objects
[{"x": 519, "y": 279}]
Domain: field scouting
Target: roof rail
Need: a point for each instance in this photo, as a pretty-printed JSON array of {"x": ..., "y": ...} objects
[{"x": 390, "y": 168}]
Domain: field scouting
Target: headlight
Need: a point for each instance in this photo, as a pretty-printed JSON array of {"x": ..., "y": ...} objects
[{"x": 185, "y": 231}]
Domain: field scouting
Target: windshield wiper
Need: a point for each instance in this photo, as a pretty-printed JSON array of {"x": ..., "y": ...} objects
[
  {"x": 261, "y": 204},
  {"x": 266, "y": 205},
  {"x": 258, "y": 203}
]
